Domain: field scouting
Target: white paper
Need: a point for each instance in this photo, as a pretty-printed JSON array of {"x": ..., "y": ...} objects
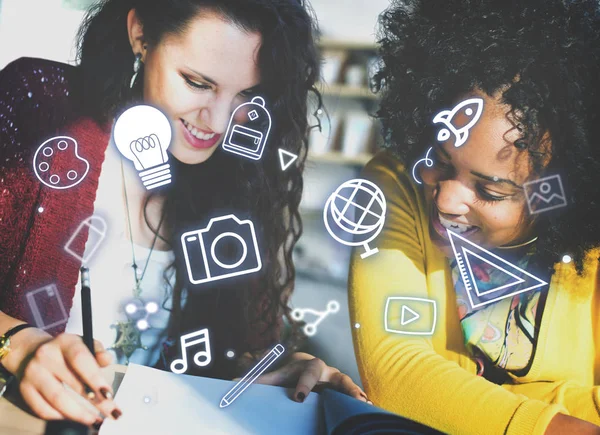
[{"x": 158, "y": 402}]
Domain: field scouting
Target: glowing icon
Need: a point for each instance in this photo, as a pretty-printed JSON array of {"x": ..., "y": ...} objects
[
  {"x": 310, "y": 329},
  {"x": 468, "y": 253},
  {"x": 428, "y": 163},
  {"x": 252, "y": 375},
  {"x": 545, "y": 194},
  {"x": 202, "y": 358},
  {"x": 96, "y": 227},
  {"x": 248, "y": 140},
  {"x": 57, "y": 164},
  {"x": 47, "y": 307},
  {"x": 286, "y": 159},
  {"x": 357, "y": 208},
  {"x": 419, "y": 313},
  {"x": 143, "y": 134},
  {"x": 139, "y": 311},
  {"x": 221, "y": 250},
  {"x": 473, "y": 107}
]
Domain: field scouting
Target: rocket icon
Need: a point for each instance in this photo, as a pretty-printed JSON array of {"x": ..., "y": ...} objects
[{"x": 471, "y": 108}]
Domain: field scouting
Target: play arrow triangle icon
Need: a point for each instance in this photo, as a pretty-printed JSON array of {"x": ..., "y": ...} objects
[
  {"x": 468, "y": 255},
  {"x": 286, "y": 159},
  {"x": 404, "y": 319}
]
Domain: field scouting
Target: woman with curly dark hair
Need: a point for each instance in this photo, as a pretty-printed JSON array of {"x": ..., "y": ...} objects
[
  {"x": 196, "y": 61},
  {"x": 490, "y": 111}
]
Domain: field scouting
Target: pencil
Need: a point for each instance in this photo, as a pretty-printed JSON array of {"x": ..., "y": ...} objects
[
  {"x": 252, "y": 375},
  {"x": 86, "y": 314}
]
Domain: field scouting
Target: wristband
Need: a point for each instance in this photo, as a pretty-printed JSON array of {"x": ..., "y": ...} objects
[{"x": 5, "y": 339}]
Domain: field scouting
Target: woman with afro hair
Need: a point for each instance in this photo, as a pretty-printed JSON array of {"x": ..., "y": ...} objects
[{"x": 481, "y": 311}]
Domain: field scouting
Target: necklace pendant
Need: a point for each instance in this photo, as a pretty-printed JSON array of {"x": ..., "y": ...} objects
[
  {"x": 129, "y": 339},
  {"x": 137, "y": 290}
]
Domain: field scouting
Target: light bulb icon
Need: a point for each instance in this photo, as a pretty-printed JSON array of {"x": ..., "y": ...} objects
[{"x": 142, "y": 134}]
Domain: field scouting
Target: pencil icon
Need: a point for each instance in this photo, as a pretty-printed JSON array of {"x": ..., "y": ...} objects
[{"x": 252, "y": 375}]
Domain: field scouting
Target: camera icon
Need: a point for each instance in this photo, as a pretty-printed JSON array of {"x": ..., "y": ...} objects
[{"x": 226, "y": 248}]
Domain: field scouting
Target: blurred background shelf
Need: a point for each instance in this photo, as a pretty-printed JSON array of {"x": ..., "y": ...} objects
[
  {"x": 346, "y": 91},
  {"x": 337, "y": 157}
]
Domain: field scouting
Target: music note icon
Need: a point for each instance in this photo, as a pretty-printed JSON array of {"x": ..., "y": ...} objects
[{"x": 201, "y": 358}]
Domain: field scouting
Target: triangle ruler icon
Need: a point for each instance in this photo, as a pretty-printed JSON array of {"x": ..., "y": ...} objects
[
  {"x": 286, "y": 155},
  {"x": 468, "y": 253}
]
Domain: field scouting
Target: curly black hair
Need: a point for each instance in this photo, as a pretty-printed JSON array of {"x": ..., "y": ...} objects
[{"x": 542, "y": 56}]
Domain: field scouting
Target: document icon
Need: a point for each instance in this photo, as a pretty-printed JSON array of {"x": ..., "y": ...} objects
[
  {"x": 545, "y": 194},
  {"x": 410, "y": 316},
  {"x": 47, "y": 307}
]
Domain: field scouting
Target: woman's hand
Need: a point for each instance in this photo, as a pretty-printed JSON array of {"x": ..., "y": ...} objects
[
  {"x": 46, "y": 365},
  {"x": 305, "y": 372},
  {"x": 561, "y": 424}
]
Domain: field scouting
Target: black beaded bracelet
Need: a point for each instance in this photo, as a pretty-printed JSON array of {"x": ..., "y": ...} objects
[{"x": 13, "y": 331}]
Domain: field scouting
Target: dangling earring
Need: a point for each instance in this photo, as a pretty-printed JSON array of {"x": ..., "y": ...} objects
[{"x": 137, "y": 65}]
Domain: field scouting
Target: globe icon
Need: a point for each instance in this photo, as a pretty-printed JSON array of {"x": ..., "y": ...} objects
[{"x": 356, "y": 208}]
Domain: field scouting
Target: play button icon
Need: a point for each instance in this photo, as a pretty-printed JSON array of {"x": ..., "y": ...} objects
[
  {"x": 405, "y": 320},
  {"x": 410, "y": 315}
]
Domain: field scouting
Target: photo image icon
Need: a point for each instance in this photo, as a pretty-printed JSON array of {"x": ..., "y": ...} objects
[
  {"x": 248, "y": 138},
  {"x": 226, "y": 248},
  {"x": 545, "y": 194}
]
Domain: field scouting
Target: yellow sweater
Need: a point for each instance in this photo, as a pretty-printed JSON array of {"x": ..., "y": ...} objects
[{"x": 431, "y": 379}]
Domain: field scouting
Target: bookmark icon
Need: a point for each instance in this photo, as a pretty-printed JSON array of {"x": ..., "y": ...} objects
[{"x": 252, "y": 375}]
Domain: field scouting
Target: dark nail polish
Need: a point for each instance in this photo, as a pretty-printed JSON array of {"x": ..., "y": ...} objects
[
  {"x": 97, "y": 424},
  {"x": 301, "y": 396},
  {"x": 116, "y": 414},
  {"x": 105, "y": 393}
]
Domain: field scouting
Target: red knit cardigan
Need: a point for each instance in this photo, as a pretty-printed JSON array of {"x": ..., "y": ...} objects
[
  {"x": 36, "y": 221},
  {"x": 37, "y": 102}
]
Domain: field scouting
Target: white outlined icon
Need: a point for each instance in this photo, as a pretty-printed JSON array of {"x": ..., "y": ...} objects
[
  {"x": 53, "y": 312},
  {"x": 252, "y": 375},
  {"x": 545, "y": 194},
  {"x": 419, "y": 313},
  {"x": 96, "y": 233},
  {"x": 310, "y": 329},
  {"x": 473, "y": 108},
  {"x": 518, "y": 279},
  {"x": 143, "y": 134},
  {"x": 60, "y": 152},
  {"x": 248, "y": 139},
  {"x": 140, "y": 312},
  {"x": 227, "y": 247},
  {"x": 428, "y": 162},
  {"x": 286, "y": 159},
  {"x": 202, "y": 358},
  {"x": 357, "y": 208}
]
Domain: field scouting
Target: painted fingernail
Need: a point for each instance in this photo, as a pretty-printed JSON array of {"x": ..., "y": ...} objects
[
  {"x": 97, "y": 424},
  {"x": 105, "y": 393},
  {"x": 301, "y": 396},
  {"x": 116, "y": 414}
]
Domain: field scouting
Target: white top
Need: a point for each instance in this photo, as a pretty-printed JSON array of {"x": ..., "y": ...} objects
[{"x": 112, "y": 277}]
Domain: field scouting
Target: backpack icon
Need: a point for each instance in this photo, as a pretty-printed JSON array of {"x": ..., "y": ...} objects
[{"x": 248, "y": 139}]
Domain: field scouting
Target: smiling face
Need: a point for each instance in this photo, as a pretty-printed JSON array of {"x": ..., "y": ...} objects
[
  {"x": 476, "y": 190},
  {"x": 197, "y": 79}
]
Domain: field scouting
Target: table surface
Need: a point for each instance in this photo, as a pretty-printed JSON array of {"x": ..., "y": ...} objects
[{"x": 14, "y": 418}]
